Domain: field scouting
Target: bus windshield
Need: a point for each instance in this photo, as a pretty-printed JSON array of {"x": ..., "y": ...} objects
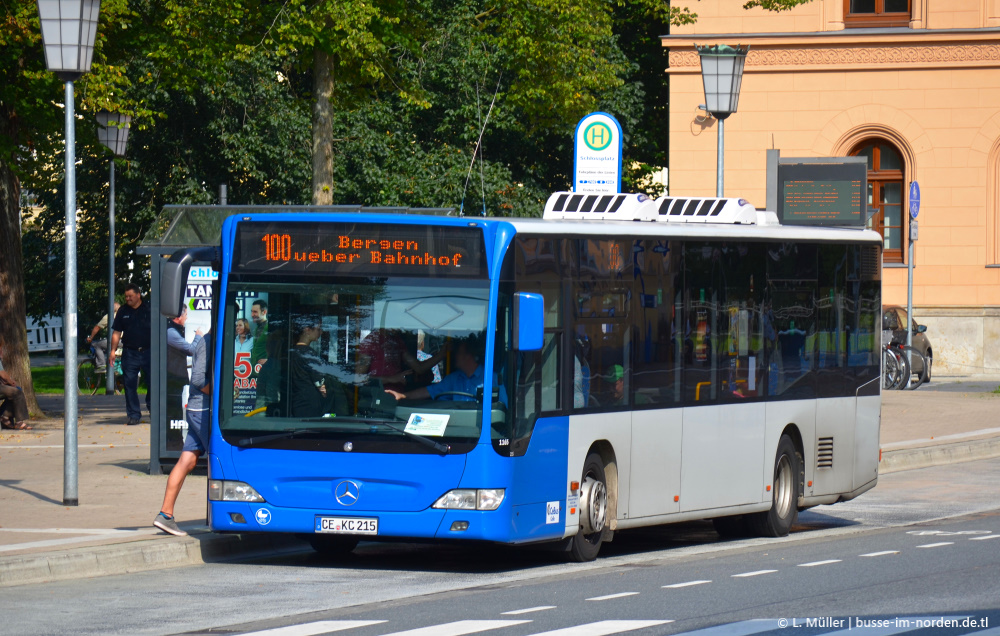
[{"x": 370, "y": 364}]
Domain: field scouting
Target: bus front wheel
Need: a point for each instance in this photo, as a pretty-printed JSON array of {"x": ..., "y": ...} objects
[
  {"x": 585, "y": 545},
  {"x": 785, "y": 488}
]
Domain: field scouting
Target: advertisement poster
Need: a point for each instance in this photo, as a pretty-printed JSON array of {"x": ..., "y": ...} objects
[
  {"x": 251, "y": 330},
  {"x": 198, "y": 301}
]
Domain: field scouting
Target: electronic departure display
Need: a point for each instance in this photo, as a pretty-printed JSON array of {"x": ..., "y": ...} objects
[
  {"x": 359, "y": 249},
  {"x": 822, "y": 193}
]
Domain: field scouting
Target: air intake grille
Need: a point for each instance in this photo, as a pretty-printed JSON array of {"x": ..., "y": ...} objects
[
  {"x": 871, "y": 266},
  {"x": 824, "y": 453}
]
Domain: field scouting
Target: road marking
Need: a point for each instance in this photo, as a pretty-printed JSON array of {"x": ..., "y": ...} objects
[
  {"x": 757, "y": 573},
  {"x": 883, "y": 553},
  {"x": 815, "y": 563},
  {"x": 602, "y": 628},
  {"x": 742, "y": 628},
  {"x": 528, "y": 610},
  {"x": 311, "y": 629},
  {"x": 611, "y": 596},
  {"x": 688, "y": 584},
  {"x": 458, "y": 628},
  {"x": 936, "y": 545},
  {"x": 992, "y": 536}
]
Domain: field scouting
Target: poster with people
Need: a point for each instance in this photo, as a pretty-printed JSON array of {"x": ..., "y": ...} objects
[
  {"x": 195, "y": 320},
  {"x": 250, "y": 352}
]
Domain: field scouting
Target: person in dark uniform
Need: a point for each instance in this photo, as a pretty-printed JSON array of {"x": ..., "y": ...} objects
[
  {"x": 132, "y": 327},
  {"x": 313, "y": 393}
]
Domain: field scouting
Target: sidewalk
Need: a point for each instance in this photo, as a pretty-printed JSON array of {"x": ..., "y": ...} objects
[{"x": 110, "y": 532}]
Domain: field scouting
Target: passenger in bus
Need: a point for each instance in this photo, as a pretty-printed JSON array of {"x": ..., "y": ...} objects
[
  {"x": 460, "y": 385},
  {"x": 312, "y": 393},
  {"x": 382, "y": 355}
]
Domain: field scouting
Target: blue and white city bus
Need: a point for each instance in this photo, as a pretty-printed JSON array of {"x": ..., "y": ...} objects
[{"x": 621, "y": 362}]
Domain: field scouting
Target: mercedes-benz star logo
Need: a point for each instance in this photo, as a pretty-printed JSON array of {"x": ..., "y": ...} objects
[{"x": 347, "y": 492}]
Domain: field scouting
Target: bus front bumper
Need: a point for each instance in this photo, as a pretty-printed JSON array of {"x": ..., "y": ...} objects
[{"x": 474, "y": 525}]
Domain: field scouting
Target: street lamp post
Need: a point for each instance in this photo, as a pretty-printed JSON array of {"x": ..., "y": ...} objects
[
  {"x": 115, "y": 137},
  {"x": 69, "y": 28},
  {"x": 722, "y": 74}
]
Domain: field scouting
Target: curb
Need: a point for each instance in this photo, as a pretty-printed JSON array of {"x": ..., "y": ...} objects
[
  {"x": 913, "y": 458},
  {"x": 141, "y": 556}
]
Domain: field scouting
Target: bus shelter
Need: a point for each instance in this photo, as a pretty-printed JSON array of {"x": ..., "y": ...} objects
[{"x": 185, "y": 226}]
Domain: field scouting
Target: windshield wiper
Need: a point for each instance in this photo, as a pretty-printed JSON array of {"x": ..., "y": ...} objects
[
  {"x": 260, "y": 439},
  {"x": 444, "y": 449}
]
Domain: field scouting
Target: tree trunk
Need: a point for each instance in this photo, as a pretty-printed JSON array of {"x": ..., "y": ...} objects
[
  {"x": 322, "y": 129},
  {"x": 13, "y": 330}
]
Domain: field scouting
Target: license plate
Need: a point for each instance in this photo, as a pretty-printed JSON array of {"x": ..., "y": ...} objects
[{"x": 346, "y": 525}]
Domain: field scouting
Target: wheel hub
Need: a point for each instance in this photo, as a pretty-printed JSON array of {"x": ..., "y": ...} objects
[{"x": 593, "y": 505}]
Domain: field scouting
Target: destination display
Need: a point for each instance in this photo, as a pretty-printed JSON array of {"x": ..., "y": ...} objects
[
  {"x": 822, "y": 194},
  {"x": 359, "y": 249}
]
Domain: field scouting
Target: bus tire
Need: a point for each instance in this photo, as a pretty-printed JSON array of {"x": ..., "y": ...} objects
[
  {"x": 586, "y": 543},
  {"x": 777, "y": 521},
  {"x": 331, "y": 546}
]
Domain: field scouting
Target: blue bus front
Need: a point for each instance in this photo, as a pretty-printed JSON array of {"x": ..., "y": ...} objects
[{"x": 337, "y": 333}]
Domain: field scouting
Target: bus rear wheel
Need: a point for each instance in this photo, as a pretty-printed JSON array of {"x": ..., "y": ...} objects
[
  {"x": 585, "y": 545},
  {"x": 785, "y": 490}
]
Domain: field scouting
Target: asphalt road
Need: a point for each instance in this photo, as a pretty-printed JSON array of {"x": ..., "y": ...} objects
[{"x": 923, "y": 546}]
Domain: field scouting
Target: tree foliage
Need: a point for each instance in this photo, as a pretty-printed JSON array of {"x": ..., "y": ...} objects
[{"x": 458, "y": 103}]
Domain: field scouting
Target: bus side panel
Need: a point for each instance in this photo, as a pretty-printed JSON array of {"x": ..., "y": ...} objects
[
  {"x": 835, "y": 429},
  {"x": 539, "y": 493},
  {"x": 723, "y": 449},
  {"x": 614, "y": 432},
  {"x": 656, "y": 462},
  {"x": 866, "y": 439},
  {"x": 802, "y": 415}
]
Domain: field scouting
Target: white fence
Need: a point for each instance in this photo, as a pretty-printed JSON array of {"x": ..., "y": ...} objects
[{"x": 45, "y": 338}]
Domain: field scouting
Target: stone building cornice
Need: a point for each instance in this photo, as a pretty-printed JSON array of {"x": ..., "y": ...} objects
[{"x": 846, "y": 51}]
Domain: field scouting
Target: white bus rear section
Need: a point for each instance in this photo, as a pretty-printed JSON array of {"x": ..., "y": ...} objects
[{"x": 681, "y": 464}]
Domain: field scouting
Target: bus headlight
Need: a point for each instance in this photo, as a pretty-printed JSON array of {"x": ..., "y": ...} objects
[
  {"x": 222, "y": 490},
  {"x": 471, "y": 499}
]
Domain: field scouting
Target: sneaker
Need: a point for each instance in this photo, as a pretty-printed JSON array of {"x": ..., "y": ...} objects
[
  {"x": 131, "y": 421},
  {"x": 168, "y": 525}
]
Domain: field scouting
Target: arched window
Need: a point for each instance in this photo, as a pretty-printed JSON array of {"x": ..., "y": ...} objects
[{"x": 885, "y": 194}]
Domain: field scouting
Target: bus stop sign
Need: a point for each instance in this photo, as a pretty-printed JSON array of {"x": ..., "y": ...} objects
[{"x": 914, "y": 199}]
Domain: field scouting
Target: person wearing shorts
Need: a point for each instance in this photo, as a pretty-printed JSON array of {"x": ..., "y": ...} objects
[{"x": 199, "y": 418}]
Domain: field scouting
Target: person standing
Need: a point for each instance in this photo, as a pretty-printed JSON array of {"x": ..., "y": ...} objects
[
  {"x": 101, "y": 345},
  {"x": 258, "y": 352},
  {"x": 131, "y": 327},
  {"x": 199, "y": 418},
  {"x": 178, "y": 350},
  {"x": 244, "y": 341}
]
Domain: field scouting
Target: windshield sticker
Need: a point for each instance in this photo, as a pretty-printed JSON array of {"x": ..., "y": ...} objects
[
  {"x": 552, "y": 512},
  {"x": 428, "y": 424}
]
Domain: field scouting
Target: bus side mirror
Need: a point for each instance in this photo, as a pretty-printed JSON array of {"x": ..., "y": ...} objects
[
  {"x": 529, "y": 328},
  {"x": 174, "y": 275}
]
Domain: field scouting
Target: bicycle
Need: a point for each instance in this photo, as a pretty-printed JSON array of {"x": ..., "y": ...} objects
[
  {"x": 90, "y": 377},
  {"x": 897, "y": 365},
  {"x": 914, "y": 359}
]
